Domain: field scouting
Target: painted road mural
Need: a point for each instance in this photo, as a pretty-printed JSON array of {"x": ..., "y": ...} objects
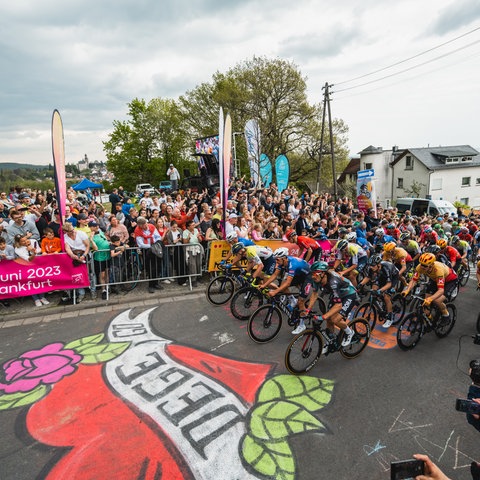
[{"x": 139, "y": 406}]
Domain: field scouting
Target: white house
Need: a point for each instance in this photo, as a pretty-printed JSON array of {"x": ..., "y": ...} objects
[{"x": 445, "y": 173}]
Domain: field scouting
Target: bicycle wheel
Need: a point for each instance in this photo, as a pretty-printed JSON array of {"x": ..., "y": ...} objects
[
  {"x": 220, "y": 290},
  {"x": 264, "y": 324},
  {"x": 303, "y": 352},
  {"x": 369, "y": 312},
  {"x": 399, "y": 306},
  {"x": 131, "y": 273},
  {"x": 361, "y": 327},
  {"x": 410, "y": 331},
  {"x": 463, "y": 274},
  {"x": 245, "y": 301},
  {"x": 444, "y": 326}
]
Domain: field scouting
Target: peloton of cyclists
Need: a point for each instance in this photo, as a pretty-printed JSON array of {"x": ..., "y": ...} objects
[
  {"x": 259, "y": 258},
  {"x": 353, "y": 257},
  {"x": 399, "y": 257},
  {"x": 410, "y": 245},
  {"x": 306, "y": 244}
]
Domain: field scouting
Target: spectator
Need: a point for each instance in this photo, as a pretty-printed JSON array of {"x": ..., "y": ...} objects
[
  {"x": 7, "y": 252},
  {"x": 116, "y": 228},
  {"x": 177, "y": 253},
  {"x": 50, "y": 243},
  {"x": 27, "y": 249},
  {"x": 194, "y": 250},
  {"x": 101, "y": 256},
  {"x": 114, "y": 198},
  {"x": 19, "y": 226},
  {"x": 174, "y": 177}
]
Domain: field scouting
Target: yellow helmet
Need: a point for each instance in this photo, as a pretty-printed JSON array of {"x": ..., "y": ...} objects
[
  {"x": 389, "y": 247},
  {"x": 442, "y": 243},
  {"x": 427, "y": 259}
]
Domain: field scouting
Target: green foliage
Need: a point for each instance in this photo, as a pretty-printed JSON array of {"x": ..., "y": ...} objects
[
  {"x": 31, "y": 176},
  {"x": 20, "y": 399},
  {"x": 415, "y": 189},
  {"x": 140, "y": 149}
]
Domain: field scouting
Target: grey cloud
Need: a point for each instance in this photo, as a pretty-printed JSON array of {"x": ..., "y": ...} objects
[{"x": 456, "y": 15}]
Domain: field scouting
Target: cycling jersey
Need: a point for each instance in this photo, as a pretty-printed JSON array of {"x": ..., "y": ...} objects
[
  {"x": 246, "y": 242},
  {"x": 430, "y": 238},
  {"x": 398, "y": 256},
  {"x": 411, "y": 247},
  {"x": 451, "y": 254},
  {"x": 296, "y": 267},
  {"x": 441, "y": 274},
  {"x": 340, "y": 287},
  {"x": 382, "y": 240},
  {"x": 261, "y": 255},
  {"x": 354, "y": 252},
  {"x": 462, "y": 246},
  {"x": 307, "y": 242},
  {"x": 388, "y": 273}
]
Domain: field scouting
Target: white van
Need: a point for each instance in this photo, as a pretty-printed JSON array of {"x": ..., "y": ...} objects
[{"x": 421, "y": 206}]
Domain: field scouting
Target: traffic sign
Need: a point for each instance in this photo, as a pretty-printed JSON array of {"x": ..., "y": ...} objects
[{"x": 366, "y": 173}]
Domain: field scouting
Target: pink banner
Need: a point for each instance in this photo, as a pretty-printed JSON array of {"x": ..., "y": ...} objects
[{"x": 19, "y": 278}]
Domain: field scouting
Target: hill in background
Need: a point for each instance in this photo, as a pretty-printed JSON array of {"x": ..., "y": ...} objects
[{"x": 14, "y": 166}]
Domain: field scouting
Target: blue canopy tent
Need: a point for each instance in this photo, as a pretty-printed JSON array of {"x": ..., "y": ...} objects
[{"x": 85, "y": 184}]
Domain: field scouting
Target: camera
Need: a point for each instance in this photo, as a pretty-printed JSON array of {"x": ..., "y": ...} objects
[{"x": 405, "y": 469}]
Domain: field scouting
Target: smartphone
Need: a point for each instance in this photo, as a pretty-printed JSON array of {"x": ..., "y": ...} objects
[
  {"x": 406, "y": 469},
  {"x": 467, "y": 406}
]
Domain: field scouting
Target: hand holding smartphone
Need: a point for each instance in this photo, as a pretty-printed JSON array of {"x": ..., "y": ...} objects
[{"x": 406, "y": 469}]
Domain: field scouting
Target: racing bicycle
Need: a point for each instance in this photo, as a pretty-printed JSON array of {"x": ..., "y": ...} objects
[
  {"x": 221, "y": 289},
  {"x": 306, "y": 348}
]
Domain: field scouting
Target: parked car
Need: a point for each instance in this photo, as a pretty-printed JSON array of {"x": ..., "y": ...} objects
[
  {"x": 420, "y": 206},
  {"x": 141, "y": 188},
  {"x": 165, "y": 186}
]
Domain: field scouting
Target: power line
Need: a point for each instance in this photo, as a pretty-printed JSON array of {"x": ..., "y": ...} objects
[
  {"x": 408, "y": 69},
  {"x": 408, "y": 59}
]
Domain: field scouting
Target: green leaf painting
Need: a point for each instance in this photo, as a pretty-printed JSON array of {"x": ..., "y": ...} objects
[
  {"x": 91, "y": 340},
  {"x": 273, "y": 460},
  {"x": 312, "y": 393},
  {"x": 101, "y": 353},
  {"x": 20, "y": 399}
]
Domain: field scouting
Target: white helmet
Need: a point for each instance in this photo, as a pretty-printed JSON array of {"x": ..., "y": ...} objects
[
  {"x": 281, "y": 252},
  {"x": 379, "y": 232},
  {"x": 232, "y": 236},
  {"x": 351, "y": 237}
]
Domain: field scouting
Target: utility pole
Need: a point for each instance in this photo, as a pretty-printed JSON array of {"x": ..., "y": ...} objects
[{"x": 326, "y": 109}]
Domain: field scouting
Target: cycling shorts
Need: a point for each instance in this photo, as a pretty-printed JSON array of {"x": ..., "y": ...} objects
[{"x": 348, "y": 304}]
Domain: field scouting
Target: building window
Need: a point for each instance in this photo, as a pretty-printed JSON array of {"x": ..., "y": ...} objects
[
  {"x": 477, "y": 181},
  {"x": 464, "y": 201},
  {"x": 368, "y": 166},
  {"x": 399, "y": 182},
  {"x": 466, "y": 181},
  {"x": 436, "y": 183},
  {"x": 408, "y": 162}
]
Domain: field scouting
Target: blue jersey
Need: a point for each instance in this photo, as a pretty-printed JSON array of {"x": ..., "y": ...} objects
[
  {"x": 246, "y": 242},
  {"x": 297, "y": 266}
]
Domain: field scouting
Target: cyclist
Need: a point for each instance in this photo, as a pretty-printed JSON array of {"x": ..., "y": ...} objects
[
  {"x": 353, "y": 256},
  {"x": 258, "y": 257},
  {"x": 428, "y": 237},
  {"x": 233, "y": 238},
  {"x": 393, "y": 231},
  {"x": 380, "y": 239},
  {"x": 442, "y": 278},
  {"x": 296, "y": 271},
  {"x": 411, "y": 246},
  {"x": 344, "y": 297},
  {"x": 464, "y": 234},
  {"x": 478, "y": 271},
  {"x": 399, "y": 257},
  {"x": 462, "y": 247},
  {"x": 306, "y": 244},
  {"x": 383, "y": 276},
  {"x": 450, "y": 253}
]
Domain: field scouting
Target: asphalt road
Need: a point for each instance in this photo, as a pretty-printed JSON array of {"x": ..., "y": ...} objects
[{"x": 383, "y": 406}]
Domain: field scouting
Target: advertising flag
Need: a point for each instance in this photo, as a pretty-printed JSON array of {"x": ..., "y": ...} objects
[
  {"x": 265, "y": 170},
  {"x": 58, "y": 151},
  {"x": 282, "y": 172},
  {"x": 252, "y": 138},
  {"x": 366, "y": 190},
  {"x": 227, "y": 155}
]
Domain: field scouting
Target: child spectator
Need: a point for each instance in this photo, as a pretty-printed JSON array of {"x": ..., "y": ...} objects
[
  {"x": 50, "y": 243},
  {"x": 117, "y": 260},
  {"x": 7, "y": 252}
]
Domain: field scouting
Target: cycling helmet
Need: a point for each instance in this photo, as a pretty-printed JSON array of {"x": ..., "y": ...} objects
[
  {"x": 389, "y": 247},
  {"x": 464, "y": 230},
  {"x": 454, "y": 224},
  {"x": 427, "y": 259},
  {"x": 374, "y": 260},
  {"x": 379, "y": 232},
  {"x": 455, "y": 239},
  {"x": 237, "y": 247},
  {"x": 342, "y": 244},
  {"x": 448, "y": 234},
  {"x": 351, "y": 237},
  {"x": 290, "y": 233},
  {"x": 437, "y": 226},
  {"x": 404, "y": 237},
  {"x": 390, "y": 226},
  {"x": 319, "y": 267},
  {"x": 442, "y": 243},
  {"x": 342, "y": 231},
  {"x": 231, "y": 236},
  {"x": 428, "y": 229},
  {"x": 281, "y": 252},
  {"x": 433, "y": 249}
]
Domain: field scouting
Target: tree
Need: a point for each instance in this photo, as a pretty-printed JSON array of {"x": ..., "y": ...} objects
[
  {"x": 415, "y": 189},
  {"x": 274, "y": 93},
  {"x": 139, "y": 149}
]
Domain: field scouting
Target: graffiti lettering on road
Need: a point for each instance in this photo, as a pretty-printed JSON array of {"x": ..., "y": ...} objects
[{"x": 137, "y": 405}]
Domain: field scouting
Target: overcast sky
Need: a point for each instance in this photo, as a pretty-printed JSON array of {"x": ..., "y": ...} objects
[{"x": 89, "y": 58}]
